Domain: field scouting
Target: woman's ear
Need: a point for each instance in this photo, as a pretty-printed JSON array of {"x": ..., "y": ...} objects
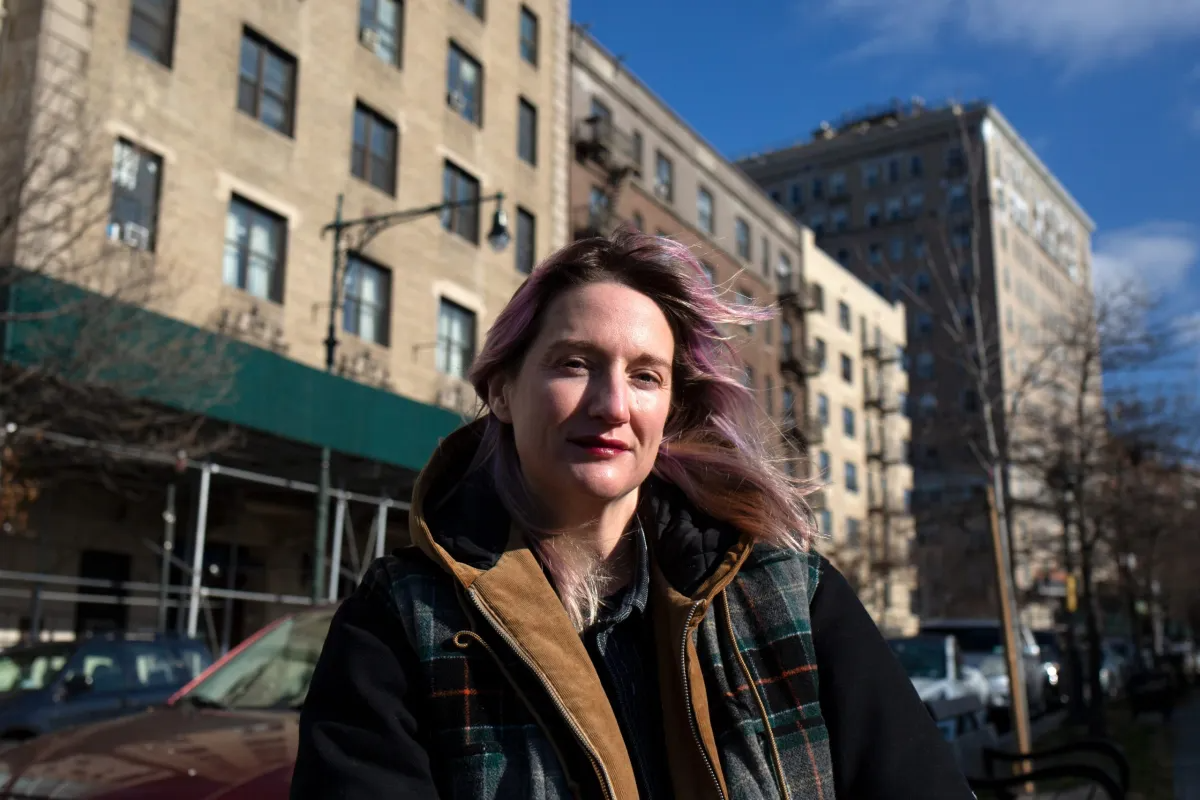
[{"x": 498, "y": 399}]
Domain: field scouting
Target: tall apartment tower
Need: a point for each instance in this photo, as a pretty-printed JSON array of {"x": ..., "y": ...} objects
[{"x": 899, "y": 195}]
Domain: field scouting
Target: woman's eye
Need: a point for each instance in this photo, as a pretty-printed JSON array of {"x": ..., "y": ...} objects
[
  {"x": 574, "y": 364},
  {"x": 648, "y": 379}
]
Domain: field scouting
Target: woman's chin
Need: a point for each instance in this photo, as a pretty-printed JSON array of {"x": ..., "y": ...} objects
[{"x": 603, "y": 483}]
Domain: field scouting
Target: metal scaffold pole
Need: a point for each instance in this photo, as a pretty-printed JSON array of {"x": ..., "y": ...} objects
[{"x": 193, "y": 617}]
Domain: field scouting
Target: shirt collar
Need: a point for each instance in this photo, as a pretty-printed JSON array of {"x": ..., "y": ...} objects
[{"x": 633, "y": 595}]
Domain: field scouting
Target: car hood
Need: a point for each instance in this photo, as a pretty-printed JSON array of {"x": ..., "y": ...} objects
[{"x": 179, "y": 752}]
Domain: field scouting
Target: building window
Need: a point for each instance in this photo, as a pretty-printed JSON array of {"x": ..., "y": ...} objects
[
  {"x": 526, "y": 241},
  {"x": 844, "y": 316},
  {"x": 381, "y": 20},
  {"x": 921, "y": 283},
  {"x": 464, "y": 85},
  {"x": 637, "y": 146},
  {"x": 924, "y": 323},
  {"x": 851, "y": 478},
  {"x": 817, "y": 223},
  {"x": 664, "y": 178},
  {"x": 826, "y": 522},
  {"x": 872, "y": 215},
  {"x": 841, "y": 220},
  {"x": 797, "y": 194},
  {"x": 816, "y": 295},
  {"x": 267, "y": 83},
  {"x": 474, "y": 6},
  {"x": 875, "y": 254},
  {"x": 894, "y": 170},
  {"x": 897, "y": 249},
  {"x": 366, "y": 310},
  {"x": 916, "y": 201},
  {"x": 895, "y": 209},
  {"x": 789, "y": 405},
  {"x": 925, "y": 365},
  {"x": 136, "y": 183},
  {"x": 459, "y": 186},
  {"x": 928, "y": 406},
  {"x": 853, "y": 535},
  {"x": 970, "y": 401},
  {"x": 919, "y": 246},
  {"x": 847, "y": 368},
  {"x": 954, "y": 159},
  {"x": 455, "y": 339},
  {"x": 743, "y": 298},
  {"x": 1008, "y": 319},
  {"x": 824, "y": 464},
  {"x": 152, "y": 29},
  {"x": 843, "y": 257},
  {"x": 527, "y": 131},
  {"x": 373, "y": 154},
  {"x": 255, "y": 246},
  {"x": 766, "y": 256},
  {"x": 916, "y": 168},
  {"x": 818, "y": 189},
  {"x": 820, "y": 353},
  {"x": 704, "y": 209},
  {"x": 848, "y": 421},
  {"x": 637, "y": 221},
  {"x": 784, "y": 271},
  {"x": 709, "y": 272},
  {"x": 823, "y": 410},
  {"x": 529, "y": 36},
  {"x": 741, "y": 231},
  {"x": 837, "y": 184},
  {"x": 748, "y": 377},
  {"x": 870, "y": 175}
]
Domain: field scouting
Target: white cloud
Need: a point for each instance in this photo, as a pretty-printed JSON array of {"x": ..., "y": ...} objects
[
  {"x": 1081, "y": 33},
  {"x": 1156, "y": 255}
]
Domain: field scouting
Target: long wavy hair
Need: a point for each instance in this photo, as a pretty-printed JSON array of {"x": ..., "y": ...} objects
[{"x": 712, "y": 448}]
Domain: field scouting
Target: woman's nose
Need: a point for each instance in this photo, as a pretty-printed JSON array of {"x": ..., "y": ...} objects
[{"x": 609, "y": 399}]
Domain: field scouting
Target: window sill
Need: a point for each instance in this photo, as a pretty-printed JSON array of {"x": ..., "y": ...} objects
[
  {"x": 254, "y": 123},
  {"x": 361, "y": 181}
]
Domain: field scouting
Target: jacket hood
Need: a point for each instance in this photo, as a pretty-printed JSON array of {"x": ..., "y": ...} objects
[{"x": 458, "y": 520}]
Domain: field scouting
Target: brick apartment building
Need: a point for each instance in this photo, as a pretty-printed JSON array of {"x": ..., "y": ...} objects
[{"x": 890, "y": 193}]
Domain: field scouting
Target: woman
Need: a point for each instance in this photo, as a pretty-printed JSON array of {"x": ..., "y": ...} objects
[{"x": 611, "y": 591}]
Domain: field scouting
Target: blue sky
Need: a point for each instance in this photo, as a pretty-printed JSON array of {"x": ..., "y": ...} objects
[{"x": 1106, "y": 91}]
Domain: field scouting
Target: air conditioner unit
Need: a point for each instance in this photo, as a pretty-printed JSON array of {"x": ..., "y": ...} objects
[
  {"x": 136, "y": 236},
  {"x": 369, "y": 37},
  {"x": 457, "y": 101}
]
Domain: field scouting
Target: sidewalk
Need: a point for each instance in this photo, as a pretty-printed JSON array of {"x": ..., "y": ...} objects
[{"x": 1187, "y": 750}]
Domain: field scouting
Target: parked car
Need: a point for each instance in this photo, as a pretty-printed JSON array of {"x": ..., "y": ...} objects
[
  {"x": 937, "y": 670},
  {"x": 982, "y": 645},
  {"x": 231, "y": 733},
  {"x": 50, "y": 686}
]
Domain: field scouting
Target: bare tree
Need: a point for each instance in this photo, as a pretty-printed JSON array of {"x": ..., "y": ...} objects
[{"x": 84, "y": 353}]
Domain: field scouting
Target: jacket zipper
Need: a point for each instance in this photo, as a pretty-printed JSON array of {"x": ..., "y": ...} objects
[
  {"x": 687, "y": 698},
  {"x": 601, "y": 773}
]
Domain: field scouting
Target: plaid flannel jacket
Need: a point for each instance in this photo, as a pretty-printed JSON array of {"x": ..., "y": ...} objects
[{"x": 492, "y": 736}]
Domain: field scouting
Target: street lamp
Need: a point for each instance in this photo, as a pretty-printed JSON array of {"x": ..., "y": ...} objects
[{"x": 344, "y": 240}]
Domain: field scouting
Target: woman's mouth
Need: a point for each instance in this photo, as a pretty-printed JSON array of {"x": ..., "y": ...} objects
[{"x": 600, "y": 446}]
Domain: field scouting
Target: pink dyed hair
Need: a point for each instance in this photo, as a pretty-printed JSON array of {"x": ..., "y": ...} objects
[{"x": 710, "y": 449}]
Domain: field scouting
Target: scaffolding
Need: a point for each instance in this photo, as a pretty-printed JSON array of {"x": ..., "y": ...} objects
[{"x": 348, "y": 561}]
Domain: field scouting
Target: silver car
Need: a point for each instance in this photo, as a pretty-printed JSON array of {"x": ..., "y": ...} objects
[{"x": 982, "y": 644}]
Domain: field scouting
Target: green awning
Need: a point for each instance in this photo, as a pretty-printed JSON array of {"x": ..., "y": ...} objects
[{"x": 260, "y": 389}]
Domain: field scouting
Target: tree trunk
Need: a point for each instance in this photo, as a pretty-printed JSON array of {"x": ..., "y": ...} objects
[
  {"x": 1073, "y": 665},
  {"x": 1096, "y": 715}
]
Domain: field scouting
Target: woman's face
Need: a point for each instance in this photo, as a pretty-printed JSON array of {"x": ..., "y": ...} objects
[{"x": 591, "y": 398}]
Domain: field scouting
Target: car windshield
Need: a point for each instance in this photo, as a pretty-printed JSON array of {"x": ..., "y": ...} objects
[
  {"x": 273, "y": 671},
  {"x": 31, "y": 668},
  {"x": 973, "y": 638},
  {"x": 921, "y": 658}
]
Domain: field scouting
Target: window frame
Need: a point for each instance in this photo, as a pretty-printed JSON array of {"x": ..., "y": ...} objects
[
  {"x": 453, "y": 217},
  {"x": 741, "y": 237},
  {"x": 441, "y": 354},
  {"x": 278, "y": 272},
  {"x": 145, "y": 158},
  {"x": 266, "y": 49},
  {"x": 165, "y": 23},
  {"x": 851, "y": 475},
  {"x": 849, "y": 423},
  {"x": 666, "y": 190},
  {"x": 372, "y": 20},
  {"x": 527, "y": 111},
  {"x": 383, "y": 309},
  {"x": 372, "y": 119},
  {"x": 706, "y": 220},
  {"x": 472, "y": 111},
  {"x": 531, "y": 55},
  {"x": 845, "y": 317},
  {"x": 525, "y": 251},
  {"x": 478, "y": 12}
]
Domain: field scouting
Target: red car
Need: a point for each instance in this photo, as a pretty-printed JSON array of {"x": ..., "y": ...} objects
[{"x": 230, "y": 734}]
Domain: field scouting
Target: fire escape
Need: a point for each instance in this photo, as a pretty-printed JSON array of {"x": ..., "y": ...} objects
[
  {"x": 802, "y": 432},
  {"x": 885, "y": 554},
  {"x": 611, "y": 152}
]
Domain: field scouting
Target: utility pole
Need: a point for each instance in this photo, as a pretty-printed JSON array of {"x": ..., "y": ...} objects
[{"x": 1018, "y": 703}]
